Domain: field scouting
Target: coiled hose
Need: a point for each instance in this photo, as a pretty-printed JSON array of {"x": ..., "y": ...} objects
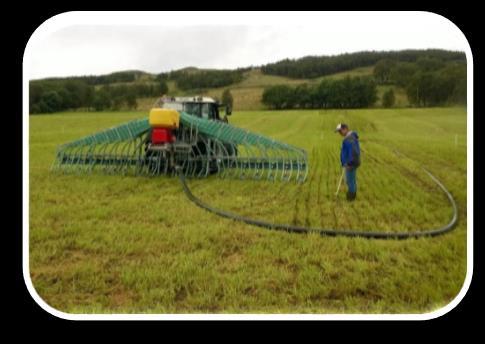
[{"x": 332, "y": 232}]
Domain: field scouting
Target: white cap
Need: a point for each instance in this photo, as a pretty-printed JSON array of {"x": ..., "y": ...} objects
[{"x": 340, "y": 126}]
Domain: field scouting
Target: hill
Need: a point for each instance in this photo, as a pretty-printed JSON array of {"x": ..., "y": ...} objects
[
  {"x": 139, "y": 90},
  {"x": 315, "y": 66},
  {"x": 247, "y": 93}
]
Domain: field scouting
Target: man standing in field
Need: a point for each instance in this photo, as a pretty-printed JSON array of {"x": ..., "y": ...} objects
[{"x": 350, "y": 158}]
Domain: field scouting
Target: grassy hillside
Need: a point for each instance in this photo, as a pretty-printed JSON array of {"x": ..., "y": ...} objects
[
  {"x": 247, "y": 93},
  {"x": 105, "y": 243},
  {"x": 439, "y": 74}
]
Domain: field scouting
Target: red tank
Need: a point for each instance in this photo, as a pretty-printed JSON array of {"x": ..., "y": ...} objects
[{"x": 162, "y": 135}]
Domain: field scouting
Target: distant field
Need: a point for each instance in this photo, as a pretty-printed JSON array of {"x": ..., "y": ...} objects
[
  {"x": 103, "y": 243},
  {"x": 247, "y": 93}
]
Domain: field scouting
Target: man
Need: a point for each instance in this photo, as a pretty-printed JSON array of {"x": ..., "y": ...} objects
[{"x": 350, "y": 158}]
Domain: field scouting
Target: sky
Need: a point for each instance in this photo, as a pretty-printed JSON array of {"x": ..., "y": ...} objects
[{"x": 90, "y": 46}]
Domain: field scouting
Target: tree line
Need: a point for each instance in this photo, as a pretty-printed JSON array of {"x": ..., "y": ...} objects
[
  {"x": 317, "y": 66},
  {"x": 53, "y": 95},
  {"x": 116, "y": 77},
  {"x": 201, "y": 79},
  {"x": 350, "y": 92},
  {"x": 428, "y": 81},
  {"x": 429, "y": 77}
]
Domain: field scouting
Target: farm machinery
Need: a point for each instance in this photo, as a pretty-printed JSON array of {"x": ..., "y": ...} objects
[{"x": 184, "y": 135}]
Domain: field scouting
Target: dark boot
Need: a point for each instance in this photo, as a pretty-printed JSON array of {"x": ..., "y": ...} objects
[{"x": 351, "y": 196}]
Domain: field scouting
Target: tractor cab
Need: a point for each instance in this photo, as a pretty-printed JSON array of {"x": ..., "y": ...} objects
[{"x": 203, "y": 107}]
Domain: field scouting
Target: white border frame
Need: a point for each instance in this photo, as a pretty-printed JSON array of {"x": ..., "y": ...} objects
[{"x": 223, "y": 18}]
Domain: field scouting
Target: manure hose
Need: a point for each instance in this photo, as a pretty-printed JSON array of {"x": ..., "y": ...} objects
[{"x": 327, "y": 231}]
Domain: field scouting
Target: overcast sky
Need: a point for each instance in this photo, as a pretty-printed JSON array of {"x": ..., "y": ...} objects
[{"x": 95, "y": 49}]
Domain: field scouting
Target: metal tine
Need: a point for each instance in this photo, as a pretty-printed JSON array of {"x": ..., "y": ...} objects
[
  {"x": 121, "y": 150},
  {"x": 245, "y": 159},
  {"x": 233, "y": 159},
  {"x": 284, "y": 174},
  {"x": 92, "y": 158},
  {"x": 140, "y": 165},
  {"x": 56, "y": 164},
  {"x": 114, "y": 150},
  {"x": 264, "y": 158}
]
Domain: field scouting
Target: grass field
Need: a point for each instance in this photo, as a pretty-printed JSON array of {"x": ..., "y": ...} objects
[{"x": 105, "y": 244}]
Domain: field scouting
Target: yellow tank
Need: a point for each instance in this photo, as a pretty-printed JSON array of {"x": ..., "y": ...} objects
[{"x": 164, "y": 118}]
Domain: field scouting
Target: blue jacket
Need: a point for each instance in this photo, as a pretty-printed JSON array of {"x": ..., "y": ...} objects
[{"x": 350, "y": 153}]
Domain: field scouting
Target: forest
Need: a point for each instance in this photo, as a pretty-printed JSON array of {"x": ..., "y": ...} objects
[{"x": 316, "y": 66}]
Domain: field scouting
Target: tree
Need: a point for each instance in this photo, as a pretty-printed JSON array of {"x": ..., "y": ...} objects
[
  {"x": 163, "y": 87},
  {"x": 322, "y": 94},
  {"x": 429, "y": 89},
  {"x": 117, "y": 102},
  {"x": 456, "y": 75},
  {"x": 101, "y": 100},
  {"x": 382, "y": 71},
  {"x": 36, "y": 90},
  {"x": 130, "y": 100},
  {"x": 459, "y": 93},
  {"x": 419, "y": 89},
  {"x": 278, "y": 97},
  {"x": 52, "y": 102},
  {"x": 302, "y": 96},
  {"x": 344, "y": 93},
  {"x": 388, "y": 98},
  {"x": 77, "y": 93},
  {"x": 66, "y": 99},
  {"x": 429, "y": 64},
  {"x": 35, "y": 108},
  {"x": 196, "y": 79},
  {"x": 402, "y": 72},
  {"x": 227, "y": 98},
  {"x": 316, "y": 66}
]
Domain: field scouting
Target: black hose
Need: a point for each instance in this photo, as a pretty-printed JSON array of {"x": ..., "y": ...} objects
[{"x": 332, "y": 232}]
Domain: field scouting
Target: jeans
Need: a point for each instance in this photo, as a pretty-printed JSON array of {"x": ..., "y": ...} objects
[{"x": 350, "y": 178}]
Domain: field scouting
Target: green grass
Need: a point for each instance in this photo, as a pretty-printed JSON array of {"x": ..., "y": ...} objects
[{"x": 101, "y": 243}]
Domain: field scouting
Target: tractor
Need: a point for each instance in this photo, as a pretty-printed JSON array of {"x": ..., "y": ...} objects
[
  {"x": 162, "y": 148},
  {"x": 184, "y": 135}
]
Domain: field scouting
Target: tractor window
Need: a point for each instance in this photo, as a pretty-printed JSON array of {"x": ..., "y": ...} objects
[
  {"x": 193, "y": 109},
  {"x": 213, "y": 112},
  {"x": 205, "y": 111}
]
